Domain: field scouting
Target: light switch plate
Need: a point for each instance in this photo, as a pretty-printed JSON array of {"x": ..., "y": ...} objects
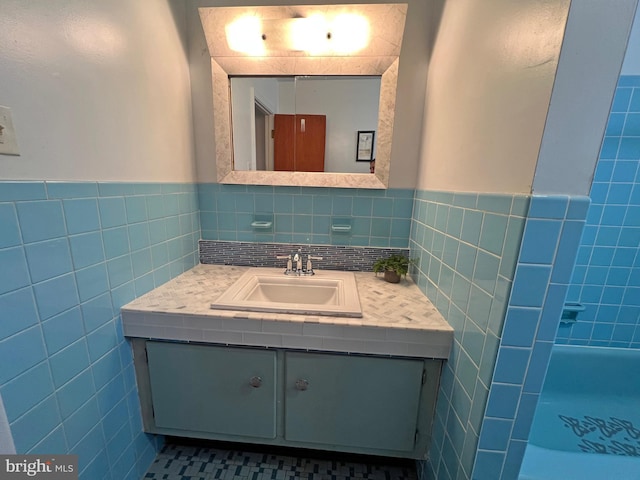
[{"x": 8, "y": 143}]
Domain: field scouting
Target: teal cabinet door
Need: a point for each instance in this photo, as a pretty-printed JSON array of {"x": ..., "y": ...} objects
[
  {"x": 213, "y": 389},
  {"x": 352, "y": 401}
]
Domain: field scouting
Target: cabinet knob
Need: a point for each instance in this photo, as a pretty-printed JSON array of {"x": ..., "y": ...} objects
[
  {"x": 302, "y": 384},
  {"x": 255, "y": 382}
]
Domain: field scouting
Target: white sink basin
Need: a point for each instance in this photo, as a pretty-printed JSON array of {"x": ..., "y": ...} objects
[{"x": 259, "y": 289}]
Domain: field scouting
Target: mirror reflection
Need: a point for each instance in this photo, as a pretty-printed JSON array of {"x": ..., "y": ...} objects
[{"x": 304, "y": 123}]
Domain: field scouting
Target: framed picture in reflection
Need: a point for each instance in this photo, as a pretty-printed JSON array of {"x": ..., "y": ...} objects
[{"x": 364, "y": 148}]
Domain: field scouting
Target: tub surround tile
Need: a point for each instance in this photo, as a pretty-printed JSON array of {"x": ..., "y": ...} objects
[
  {"x": 548, "y": 206},
  {"x": 535, "y": 305},
  {"x": 607, "y": 275}
]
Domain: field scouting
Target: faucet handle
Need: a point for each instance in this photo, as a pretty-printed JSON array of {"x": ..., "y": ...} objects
[
  {"x": 289, "y": 269},
  {"x": 310, "y": 265}
]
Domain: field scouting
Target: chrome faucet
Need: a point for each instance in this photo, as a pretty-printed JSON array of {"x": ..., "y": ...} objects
[{"x": 295, "y": 263}]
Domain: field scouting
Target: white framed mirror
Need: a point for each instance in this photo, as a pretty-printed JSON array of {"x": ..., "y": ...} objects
[
  {"x": 379, "y": 57},
  {"x": 265, "y": 131}
]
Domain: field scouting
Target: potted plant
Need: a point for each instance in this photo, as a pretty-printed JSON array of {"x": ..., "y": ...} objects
[{"x": 394, "y": 267}]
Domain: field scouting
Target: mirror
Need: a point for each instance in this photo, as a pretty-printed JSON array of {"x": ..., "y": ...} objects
[
  {"x": 379, "y": 57},
  {"x": 331, "y": 110}
]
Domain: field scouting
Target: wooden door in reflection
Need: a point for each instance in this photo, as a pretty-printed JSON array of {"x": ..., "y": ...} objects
[{"x": 299, "y": 142}]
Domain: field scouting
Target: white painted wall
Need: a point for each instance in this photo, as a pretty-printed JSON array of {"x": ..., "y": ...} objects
[
  {"x": 244, "y": 91},
  {"x": 421, "y": 23},
  {"x": 350, "y": 105},
  {"x": 592, "y": 54},
  {"x": 99, "y": 90},
  {"x": 490, "y": 82},
  {"x": 631, "y": 65}
]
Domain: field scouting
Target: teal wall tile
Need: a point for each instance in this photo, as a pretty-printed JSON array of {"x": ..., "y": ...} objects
[
  {"x": 540, "y": 241},
  {"x": 10, "y": 232},
  {"x": 76, "y": 257},
  {"x": 20, "y": 352},
  {"x": 471, "y": 227},
  {"x": 19, "y": 312},
  {"x": 81, "y": 215},
  {"x": 115, "y": 241},
  {"x": 75, "y": 393},
  {"x": 139, "y": 236},
  {"x": 13, "y": 260},
  {"x": 63, "y": 330},
  {"x": 112, "y": 212},
  {"x": 494, "y": 228},
  {"x": 459, "y": 239},
  {"x": 530, "y": 285},
  {"x": 16, "y": 191},
  {"x": 26, "y": 390},
  {"x": 495, "y": 203},
  {"x": 41, "y": 220},
  {"x": 36, "y": 424},
  {"x": 97, "y": 311},
  {"x": 548, "y": 206},
  {"x": 136, "y": 208},
  {"x": 92, "y": 281},
  {"x": 382, "y": 207},
  {"x": 71, "y": 189}
]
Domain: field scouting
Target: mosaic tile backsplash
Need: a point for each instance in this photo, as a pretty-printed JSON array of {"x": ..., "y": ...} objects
[
  {"x": 305, "y": 215},
  {"x": 77, "y": 253},
  {"x": 606, "y": 279},
  {"x": 356, "y": 259}
]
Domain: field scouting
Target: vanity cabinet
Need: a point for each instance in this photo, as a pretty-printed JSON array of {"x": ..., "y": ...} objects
[
  {"x": 352, "y": 401},
  {"x": 208, "y": 389},
  {"x": 331, "y": 401}
]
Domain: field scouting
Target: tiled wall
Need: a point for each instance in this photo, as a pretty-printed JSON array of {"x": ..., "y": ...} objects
[
  {"x": 606, "y": 279},
  {"x": 467, "y": 247},
  {"x": 549, "y": 246},
  {"x": 72, "y": 254},
  {"x": 379, "y": 218}
]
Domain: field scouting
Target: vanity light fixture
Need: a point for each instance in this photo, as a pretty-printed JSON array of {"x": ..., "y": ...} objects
[
  {"x": 244, "y": 36},
  {"x": 316, "y": 35}
]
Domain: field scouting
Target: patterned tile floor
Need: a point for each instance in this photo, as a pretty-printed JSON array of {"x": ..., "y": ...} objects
[{"x": 179, "y": 461}]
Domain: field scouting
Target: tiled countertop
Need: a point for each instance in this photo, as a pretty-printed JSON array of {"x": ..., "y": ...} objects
[{"x": 397, "y": 319}]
